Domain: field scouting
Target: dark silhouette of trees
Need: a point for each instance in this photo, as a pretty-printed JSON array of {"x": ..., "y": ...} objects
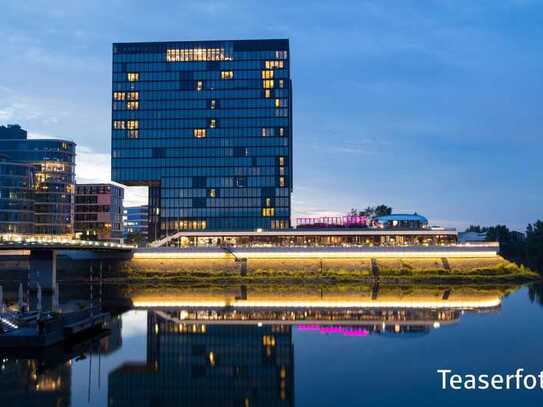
[
  {"x": 525, "y": 248},
  {"x": 373, "y": 211}
]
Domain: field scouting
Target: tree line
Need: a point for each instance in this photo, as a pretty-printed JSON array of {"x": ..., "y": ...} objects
[
  {"x": 372, "y": 211},
  {"x": 525, "y": 248}
]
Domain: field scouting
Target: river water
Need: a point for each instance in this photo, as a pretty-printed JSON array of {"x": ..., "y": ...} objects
[{"x": 286, "y": 346}]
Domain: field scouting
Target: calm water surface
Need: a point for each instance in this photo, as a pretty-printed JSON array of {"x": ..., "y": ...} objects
[{"x": 319, "y": 348}]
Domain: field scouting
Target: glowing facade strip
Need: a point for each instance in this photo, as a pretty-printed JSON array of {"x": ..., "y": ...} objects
[
  {"x": 309, "y": 254},
  {"x": 490, "y": 303}
]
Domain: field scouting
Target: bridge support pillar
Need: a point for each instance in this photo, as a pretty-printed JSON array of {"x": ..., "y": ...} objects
[{"x": 43, "y": 268}]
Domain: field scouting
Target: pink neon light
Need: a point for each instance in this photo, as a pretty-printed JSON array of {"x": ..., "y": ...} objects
[
  {"x": 327, "y": 221},
  {"x": 334, "y": 330}
]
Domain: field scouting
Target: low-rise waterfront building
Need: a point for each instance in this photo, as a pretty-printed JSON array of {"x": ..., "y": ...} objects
[
  {"x": 401, "y": 221},
  {"x": 98, "y": 212},
  {"x": 53, "y": 178},
  {"x": 313, "y": 238}
]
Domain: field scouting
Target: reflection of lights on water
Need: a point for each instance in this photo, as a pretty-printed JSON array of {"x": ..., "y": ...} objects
[
  {"x": 436, "y": 324},
  {"x": 335, "y": 329},
  {"x": 245, "y": 304},
  {"x": 212, "y": 359}
]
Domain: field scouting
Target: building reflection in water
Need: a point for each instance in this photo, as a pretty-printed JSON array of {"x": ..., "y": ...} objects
[
  {"x": 233, "y": 345},
  {"x": 208, "y": 365},
  {"x": 24, "y": 383}
]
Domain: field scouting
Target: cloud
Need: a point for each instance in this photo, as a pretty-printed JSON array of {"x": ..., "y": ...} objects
[{"x": 92, "y": 166}]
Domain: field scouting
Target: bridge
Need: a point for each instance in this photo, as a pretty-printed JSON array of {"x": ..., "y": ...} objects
[{"x": 43, "y": 254}]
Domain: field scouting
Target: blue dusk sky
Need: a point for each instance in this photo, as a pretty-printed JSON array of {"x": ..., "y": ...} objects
[{"x": 427, "y": 106}]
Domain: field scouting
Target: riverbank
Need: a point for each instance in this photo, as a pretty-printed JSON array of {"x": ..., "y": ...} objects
[{"x": 369, "y": 270}]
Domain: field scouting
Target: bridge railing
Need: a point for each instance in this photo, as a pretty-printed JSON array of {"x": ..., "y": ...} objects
[{"x": 14, "y": 240}]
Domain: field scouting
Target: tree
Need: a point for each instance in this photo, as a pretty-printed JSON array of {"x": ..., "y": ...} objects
[
  {"x": 383, "y": 210},
  {"x": 373, "y": 211},
  {"x": 136, "y": 238},
  {"x": 534, "y": 244},
  {"x": 475, "y": 228}
]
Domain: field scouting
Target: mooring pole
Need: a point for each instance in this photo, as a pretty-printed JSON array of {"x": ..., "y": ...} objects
[
  {"x": 1, "y": 300},
  {"x": 20, "y": 295},
  {"x": 91, "y": 299}
]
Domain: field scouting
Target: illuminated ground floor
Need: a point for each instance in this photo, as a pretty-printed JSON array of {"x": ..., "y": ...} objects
[{"x": 313, "y": 238}]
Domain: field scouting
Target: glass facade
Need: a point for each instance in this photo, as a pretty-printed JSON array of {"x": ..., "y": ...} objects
[
  {"x": 315, "y": 238},
  {"x": 135, "y": 220},
  {"x": 207, "y": 126},
  {"x": 53, "y": 164},
  {"x": 16, "y": 200}
]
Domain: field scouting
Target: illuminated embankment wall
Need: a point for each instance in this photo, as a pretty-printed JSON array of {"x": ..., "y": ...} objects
[
  {"x": 482, "y": 250},
  {"x": 336, "y": 266}
]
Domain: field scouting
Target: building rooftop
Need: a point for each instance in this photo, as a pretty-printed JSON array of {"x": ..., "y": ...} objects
[{"x": 403, "y": 217}]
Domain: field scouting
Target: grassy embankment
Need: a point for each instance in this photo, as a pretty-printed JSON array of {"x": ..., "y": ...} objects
[{"x": 388, "y": 270}]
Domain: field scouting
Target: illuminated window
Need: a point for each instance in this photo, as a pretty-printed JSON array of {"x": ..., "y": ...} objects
[
  {"x": 196, "y": 54},
  {"x": 274, "y": 64},
  {"x": 118, "y": 95},
  {"x": 267, "y": 212},
  {"x": 281, "y": 83},
  {"x": 281, "y": 131},
  {"x": 267, "y": 93},
  {"x": 212, "y": 104},
  {"x": 212, "y": 123},
  {"x": 281, "y": 170},
  {"x": 281, "y": 182},
  {"x": 227, "y": 75},
  {"x": 118, "y": 124},
  {"x": 267, "y": 132},
  {"x": 212, "y": 193},
  {"x": 132, "y": 124},
  {"x": 281, "y": 54},
  {"x": 267, "y": 74},
  {"x": 132, "y": 96},
  {"x": 133, "y": 105},
  {"x": 277, "y": 102},
  {"x": 281, "y": 161},
  {"x": 279, "y": 224},
  {"x": 133, "y": 133},
  {"x": 267, "y": 84},
  {"x": 199, "y": 85},
  {"x": 268, "y": 202},
  {"x": 199, "y": 133},
  {"x": 133, "y": 76}
]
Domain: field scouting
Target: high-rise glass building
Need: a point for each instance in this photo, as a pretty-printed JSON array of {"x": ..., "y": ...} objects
[
  {"x": 53, "y": 163},
  {"x": 16, "y": 198},
  {"x": 207, "y": 126}
]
